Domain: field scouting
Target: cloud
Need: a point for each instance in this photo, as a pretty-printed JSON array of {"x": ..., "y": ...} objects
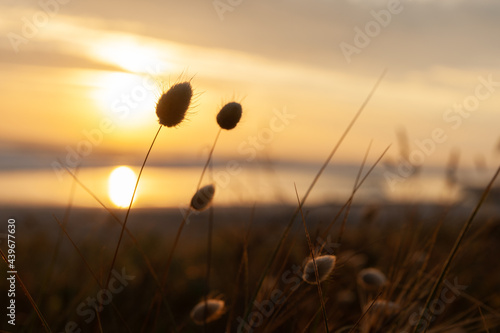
[
  {"x": 268, "y": 48},
  {"x": 425, "y": 34}
]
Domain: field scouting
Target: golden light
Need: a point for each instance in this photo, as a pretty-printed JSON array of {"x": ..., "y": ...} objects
[
  {"x": 128, "y": 99},
  {"x": 129, "y": 53},
  {"x": 121, "y": 183}
]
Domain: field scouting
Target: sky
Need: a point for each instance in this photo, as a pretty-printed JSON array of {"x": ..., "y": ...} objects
[{"x": 84, "y": 77}]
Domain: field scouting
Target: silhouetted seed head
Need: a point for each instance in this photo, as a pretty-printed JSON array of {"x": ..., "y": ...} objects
[
  {"x": 202, "y": 198},
  {"x": 172, "y": 105},
  {"x": 371, "y": 279},
  {"x": 325, "y": 266},
  {"x": 229, "y": 115},
  {"x": 214, "y": 310}
]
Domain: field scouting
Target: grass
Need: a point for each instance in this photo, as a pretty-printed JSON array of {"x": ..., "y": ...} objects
[
  {"x": 409, "y": 284},
  {"x": 315, "y": 264},
  {"x": 246, "y": 274}
]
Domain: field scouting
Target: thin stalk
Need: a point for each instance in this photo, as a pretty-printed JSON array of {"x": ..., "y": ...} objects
[
  {"x": 185, "y": 217},
  {"x": 356, "y": 182},
  {"x": 134, "y": 241},
  {"x": 208, "y": 159},
  {"x": 60, "y": 237},
  {"x": 311, "y": 250},
  {"x": 130, "y": 206},
  {"x": 209, "y": 262},
  {"x": 306, "y": 195},
  {"x": 364, "y": 313},
  {"x": 306, "y": 328},
  {"x": 209, "y": 251},
  {"x": 454, "y": 250},
  {"x": 63, "y": 229},
  {"x": 484, "y": 320},
  {"x": 325, "y": 233},
  {"x": 176, "y": 240},
  {"x": 243, "y": 267},
  {"x": 188, "y": 211},
  {"x": 30, "y": 299}
]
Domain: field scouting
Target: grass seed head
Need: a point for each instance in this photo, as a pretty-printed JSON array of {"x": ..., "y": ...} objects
[
  {"x": 371, "y": 279},
  {"x": 229, "y": 116},
  {"x": 213, "y": 309},
  {"x": 172, "y": 105},
  {"x": 202, "y": 198},
  {"x": 325, "y": 266}
]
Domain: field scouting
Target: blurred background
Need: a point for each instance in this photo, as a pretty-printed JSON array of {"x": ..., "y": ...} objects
[{"x": 80, "y": 79}]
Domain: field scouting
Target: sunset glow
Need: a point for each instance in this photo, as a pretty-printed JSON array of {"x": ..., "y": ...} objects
[
  {"x": 129, "y": 54},
  {"x": 87, "y": 80},
  {"x": 175, "y": 166},
  {"x": 128, "y": 99},
  {"x": 121, "y": 185}
]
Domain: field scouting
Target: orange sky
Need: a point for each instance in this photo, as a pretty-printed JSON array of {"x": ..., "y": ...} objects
[{"x": 74, "y": 72}]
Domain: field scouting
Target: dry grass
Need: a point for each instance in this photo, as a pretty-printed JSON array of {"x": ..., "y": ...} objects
[
  {"x": 251, "y": 275},
  {"x": 295, "y": 304}
]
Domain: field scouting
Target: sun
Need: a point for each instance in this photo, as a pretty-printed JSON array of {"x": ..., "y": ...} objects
[
  {"x": 135, "y": 55},
  {"x": 128, "y": 96},
  {"x": 127, "y": 99},
  {"x": 121, "y": 183}
]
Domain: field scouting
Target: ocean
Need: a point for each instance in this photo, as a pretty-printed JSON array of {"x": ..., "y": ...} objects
[{"x": 237, "y": 184}]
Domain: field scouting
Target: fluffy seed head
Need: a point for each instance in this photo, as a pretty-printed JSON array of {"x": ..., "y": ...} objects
[
  {"x": 172, "y": 105},
  {"x": 325, "y": 266},
  {"x": 229, "y": 115},
  {"x": 202, "y": 198},
  {"x": 371, "y": 279},
  {"x": 214, "y": 309}
]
